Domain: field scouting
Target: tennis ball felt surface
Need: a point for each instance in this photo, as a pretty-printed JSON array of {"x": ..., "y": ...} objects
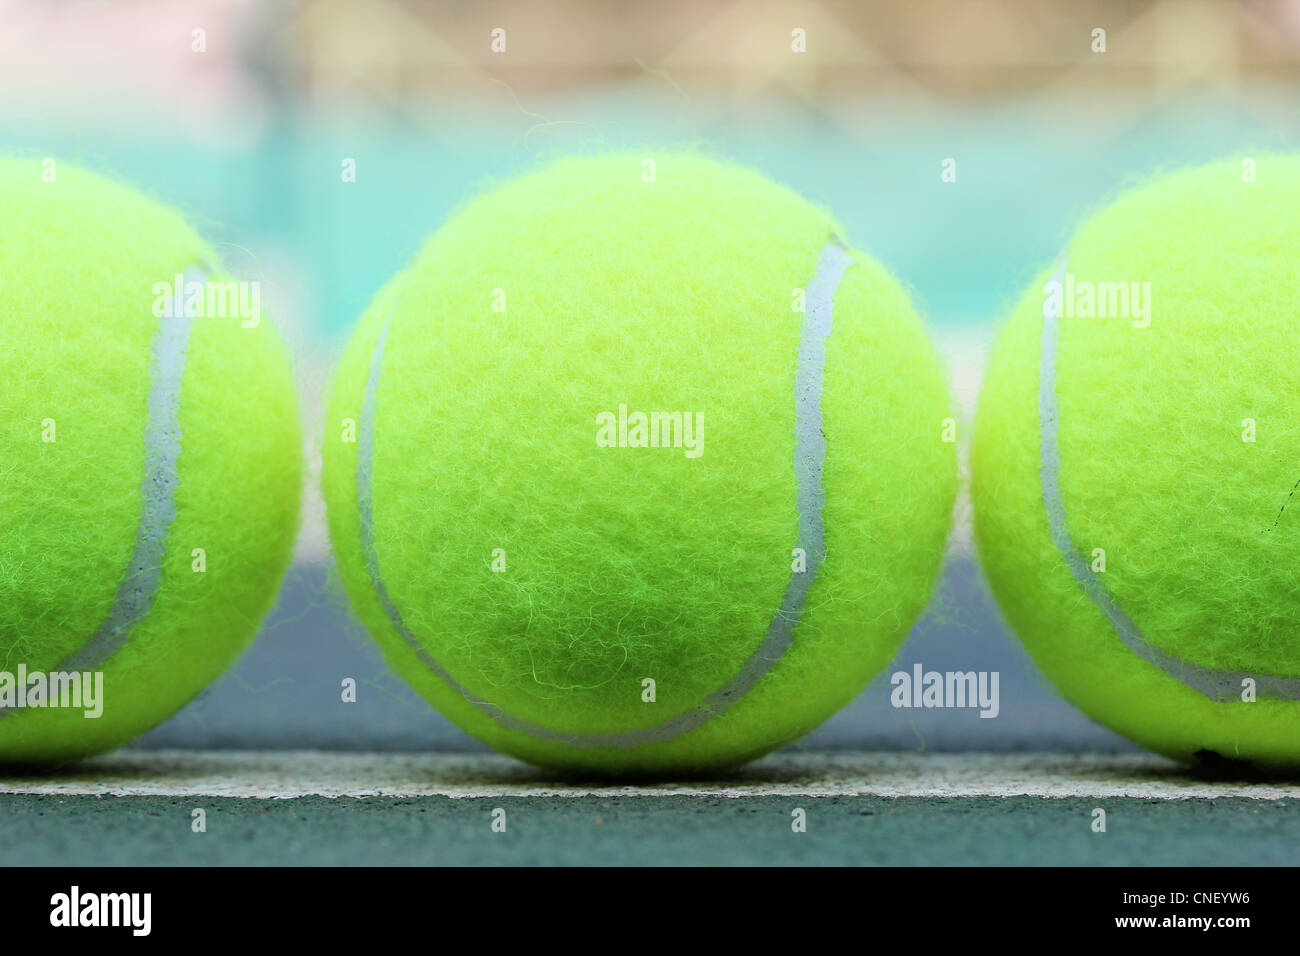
[
  {"x": 134, "y": 450},
  {"x": 636, "y": 609},
  {"x": 1169, "y": 446}
]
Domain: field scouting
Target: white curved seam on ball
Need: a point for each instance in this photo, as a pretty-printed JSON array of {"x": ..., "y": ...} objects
[
  {"x": 809, "y": 460},
  {"x": 1219, "y": 685},
  {"x": 162, "y": 451}
]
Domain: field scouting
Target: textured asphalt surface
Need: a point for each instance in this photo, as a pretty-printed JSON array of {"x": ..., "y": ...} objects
[
  {"x": 39, "y": 830},
  {"x": 311, "y": 808}
]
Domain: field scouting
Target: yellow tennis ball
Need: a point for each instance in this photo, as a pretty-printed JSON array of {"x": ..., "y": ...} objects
[
  {"x": 1136, "y": 458},
  {"x": 638, "y": 467},
  {"x": 149, "y": 461}
]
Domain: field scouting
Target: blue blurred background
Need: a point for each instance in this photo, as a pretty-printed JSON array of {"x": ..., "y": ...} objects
[{"x": 247, "y": 115}]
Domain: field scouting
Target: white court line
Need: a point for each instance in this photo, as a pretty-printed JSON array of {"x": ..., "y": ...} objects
[{"x": 276, "y": 775}]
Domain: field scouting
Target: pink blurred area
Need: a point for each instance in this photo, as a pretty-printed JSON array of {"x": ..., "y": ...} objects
[{"x": 136, "y": 58}]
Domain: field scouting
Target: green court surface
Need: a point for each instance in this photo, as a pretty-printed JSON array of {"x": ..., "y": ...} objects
[{"x": 318, "y": 809}]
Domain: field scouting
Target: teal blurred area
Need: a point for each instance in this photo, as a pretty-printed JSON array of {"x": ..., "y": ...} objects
[{"x": 1025, "y": 170}]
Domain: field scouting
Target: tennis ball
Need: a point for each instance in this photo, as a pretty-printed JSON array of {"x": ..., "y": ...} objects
[
  {"x": 1136, "y": 451},
  {"x": 150, "y": 463},
  {"x": 638, "y": 468}
]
